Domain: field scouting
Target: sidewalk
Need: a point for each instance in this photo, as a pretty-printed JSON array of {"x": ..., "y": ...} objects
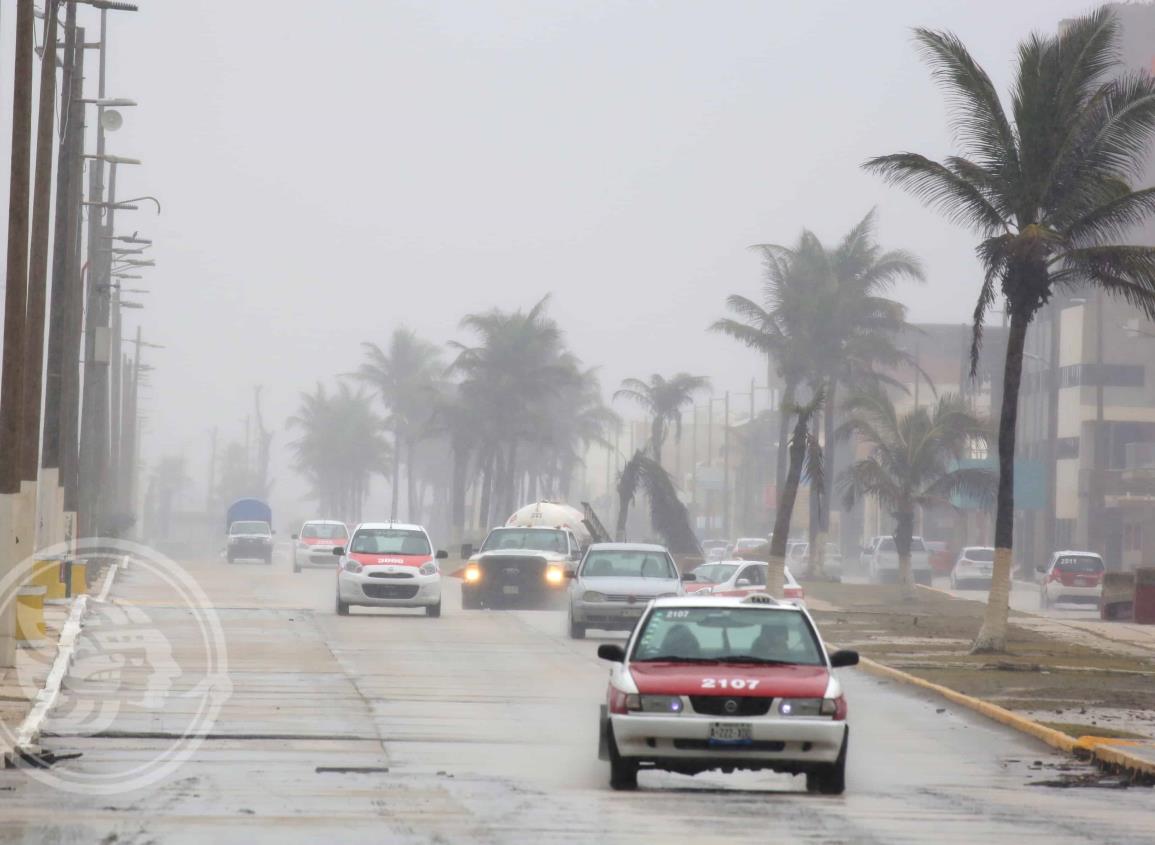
[{"x": 20, "y": 685}]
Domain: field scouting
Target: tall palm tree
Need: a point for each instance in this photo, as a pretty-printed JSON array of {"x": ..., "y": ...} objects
[
  {"x": 519, "y": 361},
  {"x": 668, "y": 515},
  {"x": 406, "y": 376},
  {"x": 913, "y": 461},
  {"x": 1048, "y": 189},
  {"x": 804, "y": 457},
  {"x": 340, "y": 445},
  {"x": 825, "y": 319},
  {"x": 663, "y": 400}
]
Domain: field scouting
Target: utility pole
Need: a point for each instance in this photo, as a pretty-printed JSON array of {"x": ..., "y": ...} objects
[
  {"x": 15, "y": 303},
  {"x": 726, "y": 527},
  {"x": 63, "y": 280},
  {"x": 37, "y": 287},
  {"x": 213, "y": 469}
]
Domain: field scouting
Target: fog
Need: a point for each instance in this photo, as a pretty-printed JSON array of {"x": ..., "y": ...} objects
[{"x": 331, "y": 170}]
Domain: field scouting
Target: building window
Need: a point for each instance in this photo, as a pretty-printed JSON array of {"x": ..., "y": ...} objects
[
  {"x": 1108, "y": 375},
  {"x": 1067, "y": 447}
]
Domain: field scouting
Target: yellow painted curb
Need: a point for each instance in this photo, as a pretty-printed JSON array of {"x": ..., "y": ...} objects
[
  {"x": 1104, "y": 749},
  {"x": 46, "y": 574},
  {"x": 79, "y": 584},
  {"x": 30, "y": 629}
]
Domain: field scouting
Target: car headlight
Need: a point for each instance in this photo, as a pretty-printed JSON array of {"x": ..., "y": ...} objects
[
  {"x": 554, "y": 575},
  {"x": 429, "y": 568},
  {"x": 654, "y": 703},
  {"x": 472, "y": 573},
  {"x": 353, "y": 566},
  {"x": 590, "y": 595},
  {"x": 807, "y": 706}
]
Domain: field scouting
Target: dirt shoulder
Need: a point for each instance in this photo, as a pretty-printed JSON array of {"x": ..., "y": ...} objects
[{"x": 1042, "y": 676}]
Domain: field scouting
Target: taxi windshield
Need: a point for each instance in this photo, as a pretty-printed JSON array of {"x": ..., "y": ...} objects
[
  {"x": 389, "y": 541},
  {"x": 728, "y": 634},
  {"x": 714, "y": 573},
  {"x": 323, "y": 531},
  {"x": 534, "y": 539}
]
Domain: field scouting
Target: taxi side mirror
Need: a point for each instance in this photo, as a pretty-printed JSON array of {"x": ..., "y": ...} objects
[
  {"x": 294, "y": 537},
  {"x": 843, "y": 658},
  {"x": 689, "y": 576},
  {"x": 1042, "y": 567},
  {"x": 743, "y": 582},
  {"x": 612, "y": 652},
  {"x": 338, "y": 550},
  {"x": 442, "y": 554}
]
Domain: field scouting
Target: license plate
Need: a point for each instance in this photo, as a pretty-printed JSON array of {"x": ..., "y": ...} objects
[
  {"x": 734, "y": 733},
  {"x": 511, "y": 590},
  {"x": 1084, "y": 582}
]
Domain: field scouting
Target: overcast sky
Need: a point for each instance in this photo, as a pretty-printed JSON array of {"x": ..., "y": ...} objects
[{"x": 330, "y": 170}]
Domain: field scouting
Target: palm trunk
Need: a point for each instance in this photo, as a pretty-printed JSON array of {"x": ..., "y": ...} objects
[
  {"x": 486, "y": 490},
  {"x": 457, "y": 494},
  {"x": 623, "y": 516},
  {"x": 788, "y": 393},
  {"x": 817, "y": 562},
  {"x": 657, "y": 435},
  {"x": 797, "y": 453},
  {"x": 814, "y": 526},
  {"x": 903, "y": 531},
  {"x": 411, "y": 479},
  {"x": 396, "y": 475},
  {"x": 992, "y": 636}
]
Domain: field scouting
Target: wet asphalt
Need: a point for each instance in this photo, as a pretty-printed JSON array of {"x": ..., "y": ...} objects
[{"x": 480, "y": 726}]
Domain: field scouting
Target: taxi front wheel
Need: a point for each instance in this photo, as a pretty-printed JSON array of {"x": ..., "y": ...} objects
[
  {"x": 830, "y": 779},
  {"x": 342, "y": 607},
  {"x": 623, "y": 772}
]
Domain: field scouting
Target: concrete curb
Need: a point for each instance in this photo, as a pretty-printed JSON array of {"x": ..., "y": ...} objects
[
  {"x": 28, "y": 734},
  {"x": 1106, "y": 751}
]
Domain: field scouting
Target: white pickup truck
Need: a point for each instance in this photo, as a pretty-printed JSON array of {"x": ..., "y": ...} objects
[{"x": 880, "y": 558}]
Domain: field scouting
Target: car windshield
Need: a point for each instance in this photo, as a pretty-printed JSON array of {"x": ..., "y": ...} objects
[
  {"x": 980, "y": 554},
  {"x": 389, "y": 541},
  {"x": 887, "y": 545},
  {"x": 749, "y": 543},
  {"x": 1080, "y": 563},
  {"x": 323, "y": 531},
  {"x": 534, "y": 539},
  {"x": 249, "y": 528},
  {"x": 714, "y": 573},
  {"x": 628, "y": 564},
  {"x": 728, "y": 634}
]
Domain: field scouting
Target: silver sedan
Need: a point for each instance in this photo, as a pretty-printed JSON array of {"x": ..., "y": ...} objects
[{"x": 614, "y": 583}]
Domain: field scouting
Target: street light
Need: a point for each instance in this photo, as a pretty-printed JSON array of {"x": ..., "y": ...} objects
[
  {"x": 110, "y": 103},
  {"x": 124, "y": 303}
]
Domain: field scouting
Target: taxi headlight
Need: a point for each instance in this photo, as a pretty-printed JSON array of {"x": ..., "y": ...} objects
[
  {"x": 553, "y": 575},
  {"x": 671, "y": 704},
  {"x": 472, "y": 573},
  {"x": 807, "y": 707},
  {"x": 590, "y": 595},
  {"x": 429, "y": 568}
]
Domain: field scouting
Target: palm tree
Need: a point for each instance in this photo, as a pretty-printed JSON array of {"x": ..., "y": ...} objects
[
  {"x": 825, "y": 319},
  {"x": 1048, "y": 189},
  {"x": 406, "y": 376},
  {"x": 519, "y": 362},
  {"x": 913, "y": 461},
  {"x": 668, "y": 515},
  {"x": 663, "y": 401},
  {"x": 340, "y": 445},
  {"x": 805, "y": 456}
]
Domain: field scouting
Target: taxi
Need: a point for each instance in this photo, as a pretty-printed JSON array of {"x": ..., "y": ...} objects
[
  {"x": 707, "y": 683},
  {"x": 389, "y": 565}
]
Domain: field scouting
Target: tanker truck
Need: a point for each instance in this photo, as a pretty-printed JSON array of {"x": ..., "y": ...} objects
[{"x": 524, "y": 562}]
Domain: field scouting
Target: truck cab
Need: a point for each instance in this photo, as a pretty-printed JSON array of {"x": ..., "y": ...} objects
[{"x": 521, "y": 566}]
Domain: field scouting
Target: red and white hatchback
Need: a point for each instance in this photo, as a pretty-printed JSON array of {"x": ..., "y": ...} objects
[
  {"x": 739, "y": 578},
  {"x": 389, "y": 565},
  {"x": 725, "y": 683},
  {"x": 313, "y": 545}
]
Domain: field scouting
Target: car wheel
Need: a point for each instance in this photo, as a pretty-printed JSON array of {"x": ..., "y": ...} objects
[
  {"x": 623, "y": 772},
  {"x": 433, "y": 610},
  {"x": 342, "y": 607},
  {"x": 296, "y": 565},
  {"x": 830, "y": 779},
  {"x": 577, "y": 631}
]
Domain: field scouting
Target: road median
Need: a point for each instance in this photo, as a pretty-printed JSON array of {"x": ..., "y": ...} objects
[{"x": 1092, "y": 702}]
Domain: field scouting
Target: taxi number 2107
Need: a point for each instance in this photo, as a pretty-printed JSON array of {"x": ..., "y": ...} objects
[{"x": 729, "y": 683}]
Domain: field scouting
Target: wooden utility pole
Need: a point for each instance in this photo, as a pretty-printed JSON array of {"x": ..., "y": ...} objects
[{"x": 15, "y": 304}]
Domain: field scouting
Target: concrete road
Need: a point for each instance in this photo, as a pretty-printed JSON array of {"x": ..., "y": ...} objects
[{"x": 481, "y": 726}]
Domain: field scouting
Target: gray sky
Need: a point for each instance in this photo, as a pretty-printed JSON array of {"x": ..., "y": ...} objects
[{"x": 332, "y": 169}]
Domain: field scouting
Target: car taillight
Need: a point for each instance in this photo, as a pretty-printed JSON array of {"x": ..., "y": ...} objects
[{"x": 792, "y": 593}]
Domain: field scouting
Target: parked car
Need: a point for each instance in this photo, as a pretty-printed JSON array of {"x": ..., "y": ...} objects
[
  {"x": 715, "y": 549},
  {"x": 710, "y": 573},
  {"x": 1071, "y": 576},
  {"x": 746, "y": 544},
  {"x": 882, "y": 561},
  {"x": 973, "y": 568},
  {"x": 614, "y": 583},
  {"x": 313, "y": 545},
  {"x": 832, "y": 562},
  {"x": 749, "y": 577}
]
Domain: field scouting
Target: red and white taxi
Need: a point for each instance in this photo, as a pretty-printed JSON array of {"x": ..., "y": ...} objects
[
  {"x": 389, "y": 565},
  {"x": 725, "y": 683},
  {"x": 313, "y": 545},
  {"x": 739, "y": 578}
]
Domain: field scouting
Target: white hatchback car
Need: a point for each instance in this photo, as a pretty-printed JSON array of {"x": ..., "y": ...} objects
[
  {"x": 1073, "y": 577},
  {"x": 974, "y": 566},
  {"x": 313, "y": 545},
  {"x": 389, "y": 565}
]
